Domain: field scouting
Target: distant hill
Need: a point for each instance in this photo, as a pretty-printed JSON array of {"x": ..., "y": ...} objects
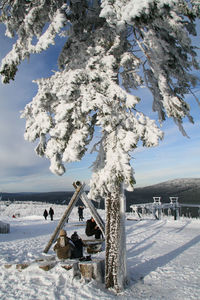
[{"x": 186, "y": 189}]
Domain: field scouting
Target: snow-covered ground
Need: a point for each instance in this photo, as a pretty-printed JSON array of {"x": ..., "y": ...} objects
[{"x": 163, "y": 258}]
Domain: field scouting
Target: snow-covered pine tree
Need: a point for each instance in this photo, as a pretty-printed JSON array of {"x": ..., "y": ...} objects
[{"x": 112, "y": 48}]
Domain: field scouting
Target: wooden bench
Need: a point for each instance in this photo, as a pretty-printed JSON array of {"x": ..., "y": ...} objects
[{"x": 93, "y": 245}]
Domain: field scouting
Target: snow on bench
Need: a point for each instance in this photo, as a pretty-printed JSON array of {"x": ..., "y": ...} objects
[
  {"x": 84, "y": 269},
  {"x": 91, "y": 239},
  {"x": 93, "y": 245}
]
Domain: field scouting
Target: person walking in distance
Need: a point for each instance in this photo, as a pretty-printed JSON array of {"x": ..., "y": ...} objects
[
  {"x": 51, "y": 213},
  {"x": 80, "y": 213},
  {"x": 45, "y": 214}
]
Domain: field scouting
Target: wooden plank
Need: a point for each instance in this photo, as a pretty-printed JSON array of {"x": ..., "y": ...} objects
[
  {"x": 22, "y": 266},
  {"x": 97, "y": 241},
  {"x": 47, "y": 266}
]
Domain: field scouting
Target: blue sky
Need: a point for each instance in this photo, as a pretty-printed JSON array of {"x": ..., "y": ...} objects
[{"x": 21, "y": 170}]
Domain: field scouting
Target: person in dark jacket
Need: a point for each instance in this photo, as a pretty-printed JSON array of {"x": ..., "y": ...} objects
[
  {"x": 78, "y": 250},
  {"x": 92, "y": 228},
  {"x": 80, "y": 213},
  {"x": 51, "y": 213},
  {"x": 64, "y": 247},
  {"x": 45, "y": 214}
]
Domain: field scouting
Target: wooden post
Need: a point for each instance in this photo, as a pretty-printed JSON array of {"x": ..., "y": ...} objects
[
  {"x": 159, "y": 213},
  {"x": 94, "y": 269},
  {"x": 175, "y": 206},
  {"x": 4, "y": 227},
  {"x": 65, "y": 216}
]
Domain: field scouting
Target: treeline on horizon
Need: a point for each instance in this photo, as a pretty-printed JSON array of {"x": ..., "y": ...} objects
[{"x": 188, "y": 194}]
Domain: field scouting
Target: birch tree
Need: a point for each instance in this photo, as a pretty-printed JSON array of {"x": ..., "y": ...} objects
[{"x": 112, "y": 48}]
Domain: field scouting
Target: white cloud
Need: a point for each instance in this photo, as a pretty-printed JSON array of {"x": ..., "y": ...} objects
[{"x": 43, "y": 182}]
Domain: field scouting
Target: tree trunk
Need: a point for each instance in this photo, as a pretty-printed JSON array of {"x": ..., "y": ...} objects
[{"x": 115, "y": 260}]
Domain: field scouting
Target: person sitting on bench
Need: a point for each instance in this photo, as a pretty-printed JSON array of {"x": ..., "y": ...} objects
[
  {"x": 64, "y": 247},
  {"x": 92, "y": 229},
  {"x": 78, "y": 250}
]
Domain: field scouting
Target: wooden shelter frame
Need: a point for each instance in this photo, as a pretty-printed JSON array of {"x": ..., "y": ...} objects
[{"x": 79, "y": 193}]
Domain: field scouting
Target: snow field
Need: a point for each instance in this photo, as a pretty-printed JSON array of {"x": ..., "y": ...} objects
[{"x": 163, "y": 258}]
